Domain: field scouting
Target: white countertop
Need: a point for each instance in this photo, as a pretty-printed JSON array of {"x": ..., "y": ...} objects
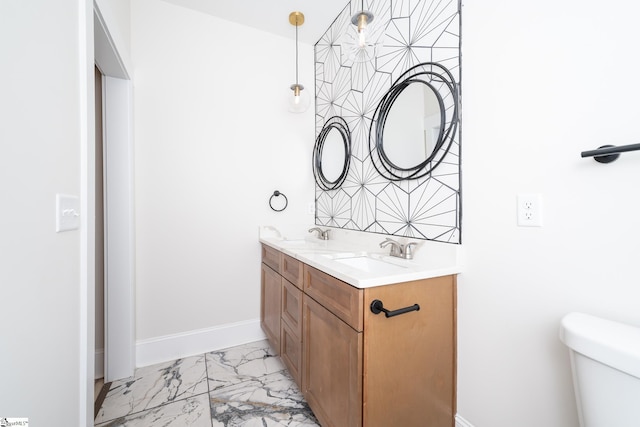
[{"x": 334, "y": 256}]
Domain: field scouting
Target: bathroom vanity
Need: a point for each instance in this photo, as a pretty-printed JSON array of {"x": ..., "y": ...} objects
[{"x": 357, "y": 365}]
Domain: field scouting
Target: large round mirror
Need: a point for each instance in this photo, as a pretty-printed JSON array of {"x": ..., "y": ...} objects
[
  {"x": 415, "y": 123},
  {"x": 332, "y": 154}
]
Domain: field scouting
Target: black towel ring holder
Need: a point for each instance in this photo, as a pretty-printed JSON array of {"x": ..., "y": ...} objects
[{"x": 278, "y": 194}]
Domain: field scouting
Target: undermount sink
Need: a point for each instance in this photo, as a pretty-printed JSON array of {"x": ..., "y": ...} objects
[{"x": 372, "y": 263}]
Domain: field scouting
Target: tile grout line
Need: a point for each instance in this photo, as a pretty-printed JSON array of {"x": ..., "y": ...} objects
[{"x": 206, "y": 373}]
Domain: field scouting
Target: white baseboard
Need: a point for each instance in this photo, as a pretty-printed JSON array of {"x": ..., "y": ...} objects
[
  {"x": 171, "y": 347},
  {"x": 461, "y": 422},
  {"x": 99, "y": 364}
]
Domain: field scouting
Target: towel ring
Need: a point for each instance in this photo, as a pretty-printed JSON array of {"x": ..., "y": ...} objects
[{"x": 277, "y": 194}]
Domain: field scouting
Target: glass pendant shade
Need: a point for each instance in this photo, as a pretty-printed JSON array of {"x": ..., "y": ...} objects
[
  {"x": 363, "y": 38},
  {"x": 299, "y": 99},
  {"x": 361, "y": 21}
]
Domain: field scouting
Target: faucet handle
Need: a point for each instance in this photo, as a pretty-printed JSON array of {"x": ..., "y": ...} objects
[{"x": 408, "y": 251}]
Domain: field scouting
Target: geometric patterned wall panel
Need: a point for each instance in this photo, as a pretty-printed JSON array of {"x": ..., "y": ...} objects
[{"x": 415, "y": 31}]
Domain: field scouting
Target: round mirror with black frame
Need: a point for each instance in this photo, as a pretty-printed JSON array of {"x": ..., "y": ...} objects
[
  {"x": 332, "y": 154},
  {"x": 415, "y": 123}
]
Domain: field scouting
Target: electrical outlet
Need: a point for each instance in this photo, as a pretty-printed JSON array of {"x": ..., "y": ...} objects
[{"x": 529, "y": 210}]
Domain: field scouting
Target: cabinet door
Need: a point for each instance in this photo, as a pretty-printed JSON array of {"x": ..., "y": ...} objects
[
  {"x": 270, "y": 305},
  {"x": 409, "y": 359},
  {"x": 331, "y": 367}
]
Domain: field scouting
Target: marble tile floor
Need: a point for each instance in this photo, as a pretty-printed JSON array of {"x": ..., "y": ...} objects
[{"x": 244, "y": 386}]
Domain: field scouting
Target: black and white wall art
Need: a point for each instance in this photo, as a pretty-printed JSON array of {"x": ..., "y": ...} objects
[{"x": 411, "y": 33}]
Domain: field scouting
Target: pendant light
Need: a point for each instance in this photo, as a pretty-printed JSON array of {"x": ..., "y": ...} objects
[
  {"x": 362, "y": 39},
  {"x": 361, "y": 20},
  {"x": 299, "y": 102}
]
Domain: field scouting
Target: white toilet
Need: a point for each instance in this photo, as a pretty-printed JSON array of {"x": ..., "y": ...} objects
[{"x": 605, "y": 360}]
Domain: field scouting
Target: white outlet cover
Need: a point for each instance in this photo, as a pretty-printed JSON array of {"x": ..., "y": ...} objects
[
  {"x": 529, "y": 210},
  {"x": 67, "y": 212}
]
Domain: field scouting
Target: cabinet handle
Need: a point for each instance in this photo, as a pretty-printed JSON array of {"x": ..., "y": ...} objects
[{"x": 377, "y": 307}]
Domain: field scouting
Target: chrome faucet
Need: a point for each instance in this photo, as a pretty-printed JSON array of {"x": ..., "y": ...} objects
[
  {"x": 398, "y": 249},
  {"x": 322, "y": 234}
]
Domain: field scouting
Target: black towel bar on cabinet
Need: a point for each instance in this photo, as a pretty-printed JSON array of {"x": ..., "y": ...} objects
[{"x": 377, "y": 307}]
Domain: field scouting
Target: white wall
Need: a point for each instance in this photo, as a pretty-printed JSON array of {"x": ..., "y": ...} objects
[
  {"x": 542, "y": 82},
  {"x": 40, "y": 280},
  {"x": 46, "y": 278},
  {"x": 213, "y": 141}
]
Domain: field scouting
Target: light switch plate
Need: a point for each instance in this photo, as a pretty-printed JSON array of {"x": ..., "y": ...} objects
[{"x": 67, "y": 212}]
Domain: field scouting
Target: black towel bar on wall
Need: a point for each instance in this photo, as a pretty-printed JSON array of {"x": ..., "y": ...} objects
[{"x": 609, "y": 153}]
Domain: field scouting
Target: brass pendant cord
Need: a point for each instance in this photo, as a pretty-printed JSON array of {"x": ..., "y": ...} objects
[{"x": 296, "y": 52}]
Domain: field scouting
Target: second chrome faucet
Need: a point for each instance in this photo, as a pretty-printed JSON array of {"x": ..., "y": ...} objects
[
  {"x": 398, "y": 249},
  {"x": 322, "y": 234}
]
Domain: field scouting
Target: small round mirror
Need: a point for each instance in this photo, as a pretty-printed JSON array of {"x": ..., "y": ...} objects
[
  {"x": 414, "y": 126},
  {"x": 332, "y": 154}
]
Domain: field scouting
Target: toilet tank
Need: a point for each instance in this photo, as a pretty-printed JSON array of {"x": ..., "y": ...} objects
[{"x": 605, "y": 362}]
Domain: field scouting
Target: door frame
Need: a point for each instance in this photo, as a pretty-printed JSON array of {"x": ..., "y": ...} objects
[{"x": 119, "y": 204}]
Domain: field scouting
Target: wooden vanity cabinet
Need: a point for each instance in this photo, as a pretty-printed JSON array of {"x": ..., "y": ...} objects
[{"x": 360, "y": 369}]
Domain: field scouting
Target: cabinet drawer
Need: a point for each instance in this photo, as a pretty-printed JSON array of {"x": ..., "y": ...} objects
[
  {"x": 338, "y": 297},
  {"x": 292, "y": 270},
  {"x": 291, "y": 352},
  {"x": 271, "y": 257},
  {"x": 292, "y": 307}
]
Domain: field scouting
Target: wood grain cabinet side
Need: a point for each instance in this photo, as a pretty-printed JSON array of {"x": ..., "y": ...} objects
[{"x": 409, "y": 359}]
